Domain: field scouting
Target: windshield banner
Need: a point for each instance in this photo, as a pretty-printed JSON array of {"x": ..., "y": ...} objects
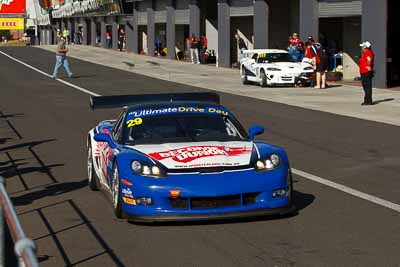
[{"x": 178, "y": 110}]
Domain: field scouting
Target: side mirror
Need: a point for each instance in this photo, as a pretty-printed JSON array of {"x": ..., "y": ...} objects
[
  {"x": 255, "y": 130},
  {"x": 106, "y": 138}
]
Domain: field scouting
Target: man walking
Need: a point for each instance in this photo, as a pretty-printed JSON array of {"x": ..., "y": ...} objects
[
  {"x": 367, "y": 72},
  {"x": 61, "y": 59}
]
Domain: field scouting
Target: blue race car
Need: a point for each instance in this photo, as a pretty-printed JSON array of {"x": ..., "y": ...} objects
[{"x": 184, "y": 157}]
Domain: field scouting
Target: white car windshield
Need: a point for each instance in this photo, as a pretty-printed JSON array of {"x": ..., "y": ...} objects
[{"x": 274, "y": 57}]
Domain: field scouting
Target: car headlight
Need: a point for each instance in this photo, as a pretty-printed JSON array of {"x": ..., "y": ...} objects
[
  {"x": 270, "y": 163},
  {"x": 148, "y": 170},
  {"x": 308, "y": 68},
  {"x": 274, "y": 69}
]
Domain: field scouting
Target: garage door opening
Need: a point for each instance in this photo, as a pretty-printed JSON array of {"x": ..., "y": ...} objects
[{"x": 393, "y": 52}]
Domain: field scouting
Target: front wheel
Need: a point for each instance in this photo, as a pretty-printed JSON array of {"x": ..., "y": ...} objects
[
  {"x": 93, "y": 180},
  {"x": 244, "y": 76},
  {"x": 116, "y": 194},
  {"x": 263, "y": 77}
]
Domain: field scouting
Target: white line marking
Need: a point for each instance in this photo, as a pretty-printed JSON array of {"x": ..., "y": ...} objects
[
  {"x": 49, "y": 76},
  {"x": 348, "y": 190},
  {"x": 340, "y": 187}
]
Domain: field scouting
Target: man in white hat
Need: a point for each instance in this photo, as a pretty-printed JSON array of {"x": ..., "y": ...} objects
[{"x": 367, "y": 71}]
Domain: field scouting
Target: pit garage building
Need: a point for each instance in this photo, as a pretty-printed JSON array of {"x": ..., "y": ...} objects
[{"x": 340, "y": 24}]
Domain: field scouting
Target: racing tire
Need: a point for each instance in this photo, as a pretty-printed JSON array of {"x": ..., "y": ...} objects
[
  {"x": 116, "y": 194},
  {"x": 93, "y": 180},
  {"x": 263, "y": 81},
  {"x": 244, "y": 76}
]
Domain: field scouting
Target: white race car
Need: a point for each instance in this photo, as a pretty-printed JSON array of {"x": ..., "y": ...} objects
[{"x": 273, "y": 67}]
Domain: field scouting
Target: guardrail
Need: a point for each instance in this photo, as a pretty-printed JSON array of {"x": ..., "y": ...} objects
[{"x": 24, "y": 247}]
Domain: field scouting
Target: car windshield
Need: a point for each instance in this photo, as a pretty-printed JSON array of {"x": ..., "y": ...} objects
[
  {"x": 274, "y": 57},
  {"x": 185, "y": 128}
]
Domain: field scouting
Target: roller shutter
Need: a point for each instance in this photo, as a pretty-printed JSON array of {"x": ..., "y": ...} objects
[
  {"x": 241, "y": 11},
  {"x": 182, "y": 16},
  {"x": 332, "y": 8}
]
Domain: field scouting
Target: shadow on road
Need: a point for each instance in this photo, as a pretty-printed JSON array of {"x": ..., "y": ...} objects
[
  {"x": 54, "y": 233},
  {"x": 382, "y": 101},
  {"x": 25, "y": 145},
  {"x": 48, "y": 191},
  {"x": 4, "y": 140},
  {"x": 300, "y": 200}
]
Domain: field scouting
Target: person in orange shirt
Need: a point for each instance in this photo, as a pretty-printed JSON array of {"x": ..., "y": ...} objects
[{"x": 367, "y": 71}]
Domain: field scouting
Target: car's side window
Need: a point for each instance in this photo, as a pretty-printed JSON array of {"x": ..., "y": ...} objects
[{"x": 118, "y": 126}]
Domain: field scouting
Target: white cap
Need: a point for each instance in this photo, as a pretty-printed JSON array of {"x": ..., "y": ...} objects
[{"x": 365, "y": 44}]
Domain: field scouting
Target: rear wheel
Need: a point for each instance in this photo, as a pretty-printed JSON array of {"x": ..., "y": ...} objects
[
  {"x": 93, "y": 180},
  {"x": 263, "y": 77},
  {"x": 116, "y": 194}
]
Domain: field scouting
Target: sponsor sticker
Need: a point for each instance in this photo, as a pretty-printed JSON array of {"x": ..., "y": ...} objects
[
  {"x": 127, "y": 192},
  {"x": 188, "y": 154},
  {"x": 129, "y": 201}
]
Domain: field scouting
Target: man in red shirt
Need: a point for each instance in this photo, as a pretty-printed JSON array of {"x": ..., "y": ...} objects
[{"x": 367, "y": 71}]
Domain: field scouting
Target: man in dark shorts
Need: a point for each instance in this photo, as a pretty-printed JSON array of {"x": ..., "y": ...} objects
[{"x": 320, "y": 64}]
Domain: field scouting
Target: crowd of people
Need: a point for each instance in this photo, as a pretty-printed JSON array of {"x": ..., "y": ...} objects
[
  {"x": 316, "y": 54},
  {"x": 313, "y": 53}
]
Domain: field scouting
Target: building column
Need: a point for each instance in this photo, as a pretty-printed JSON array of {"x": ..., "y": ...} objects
[
  {"x": 103, "y": 30},
  {"x": 114, "y": 33},
  {"x": 62, "y": 25},
  {"x": 50, "y": 35},
  {"x": 76, "y": 28},
  {"x": 151, "y": 30},
  {"x": 84, "y": 31},
  {"x": 42, "y": 35},
  {"x": 171, "y": 42},
  {"x": 93, "y": 31},
  {"x": 194, "y": 17},
  {"x": 224, "y": 34},
  {"x": 261, "y": 24},
  {"x": 131, "y": 31},
  {"x": 54, "y": 30},
  {"x": 374, "y": 30},
  {"x": 309, "y": 19},
  {"x": 69, "y": 26}
]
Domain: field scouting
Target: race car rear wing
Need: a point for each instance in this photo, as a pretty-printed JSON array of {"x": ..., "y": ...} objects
[{"x": 115, "y": 101}]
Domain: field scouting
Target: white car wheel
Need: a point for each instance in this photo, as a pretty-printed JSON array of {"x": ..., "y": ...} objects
[{"x": 263, "y": 79}]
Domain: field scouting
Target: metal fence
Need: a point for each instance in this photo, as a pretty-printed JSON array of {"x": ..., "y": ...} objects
[{"x": 24, "y": 247}]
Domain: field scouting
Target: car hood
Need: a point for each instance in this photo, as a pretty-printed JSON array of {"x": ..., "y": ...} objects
[
  {"x": 199, "y": 155},
  {"x": 288, "y": 67}
]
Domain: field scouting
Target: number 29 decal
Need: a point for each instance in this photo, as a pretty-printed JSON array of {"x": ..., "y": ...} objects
[{"x": 134, "y": 122}]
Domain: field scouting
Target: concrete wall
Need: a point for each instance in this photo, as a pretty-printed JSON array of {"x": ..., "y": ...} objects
[
  {"x": 211, "y": 32},
  {"x": 374, "y": 29}
]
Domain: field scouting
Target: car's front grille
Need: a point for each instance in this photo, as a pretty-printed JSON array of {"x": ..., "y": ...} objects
[
  {"x": 214, "y": 202},
  {"x": 287, "y": 79},
  {"x": 179, "y": 203}
]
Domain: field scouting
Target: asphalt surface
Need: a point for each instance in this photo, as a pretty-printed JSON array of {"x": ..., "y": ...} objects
[{"x": 43, "y": 129}]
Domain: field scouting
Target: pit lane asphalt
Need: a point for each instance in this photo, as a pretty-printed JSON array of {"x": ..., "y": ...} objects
[{"x": 42, "y": 143}]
